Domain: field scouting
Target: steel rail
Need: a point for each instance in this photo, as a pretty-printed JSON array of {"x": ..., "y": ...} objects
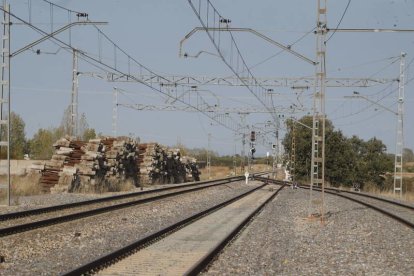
[
  {"x": 373, "y": 197},
  {"x": 358, "y": 194},
  {"x": 53, "y": 208},
  {"x": 56, "y": 220},
  {"x": 339, "y": 192},
  {"x": 203, "y": 263},
  {"x": 97, "y": 264},
  {"x": 382, "y": 211}
]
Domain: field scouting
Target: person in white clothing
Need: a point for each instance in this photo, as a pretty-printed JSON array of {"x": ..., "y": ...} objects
[{"x": 246, "y": 174}]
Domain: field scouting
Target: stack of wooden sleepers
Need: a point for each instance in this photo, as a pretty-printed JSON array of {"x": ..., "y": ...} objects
[{"x": 78, "y": 166}]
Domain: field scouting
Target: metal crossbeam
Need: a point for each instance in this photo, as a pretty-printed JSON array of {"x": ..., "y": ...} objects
[
  {"x": 299, "y": 82},
  {"x": 235, "y": 110}
]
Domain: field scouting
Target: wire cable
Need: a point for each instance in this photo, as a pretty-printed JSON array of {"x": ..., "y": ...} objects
[
  {"x": 99, "y": 64},
  {"x": 340, "y": 21},
  {"x": 61, "y": 7}
]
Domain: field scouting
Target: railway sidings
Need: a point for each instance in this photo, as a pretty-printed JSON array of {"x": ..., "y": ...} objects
[{"x": 274, "y": 236}]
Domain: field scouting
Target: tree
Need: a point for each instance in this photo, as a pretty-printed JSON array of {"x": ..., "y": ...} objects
[
  {"x": 84, "y": 131},
  {"x": 303, "y": 137},
  {"x": 88, "y": 134},
  {"x": 17, "y": 137},
  {"x": 65, "y": 123},
  {"x": 408, "y": 155},
  {"x": 377, "y": 161},
  {"x": 41, "y": 144},
  {"x": 359, "y": 173},
  {"x": 339, "y": 159},
  {"x": 347, "y": 160},
  {"x": 83, "y": 126}
]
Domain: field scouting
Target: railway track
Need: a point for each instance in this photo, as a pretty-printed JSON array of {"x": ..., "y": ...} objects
[
  {"x": 187, "y": 246},
  {"x": 18, "y": 222},
  {"x": 401, "y": 212}
]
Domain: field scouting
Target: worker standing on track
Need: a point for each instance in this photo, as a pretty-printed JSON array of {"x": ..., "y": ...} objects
[{"x": 246, "y": 174}]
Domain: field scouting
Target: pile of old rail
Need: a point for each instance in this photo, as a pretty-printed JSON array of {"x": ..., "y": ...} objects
[
  {"x": 398, "y": 211},
  {"x": 94, "y": 207},
  {"x": 188, "y": 246}
]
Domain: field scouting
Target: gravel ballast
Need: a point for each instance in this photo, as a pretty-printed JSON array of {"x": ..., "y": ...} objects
[
  {"x": 354, "y": 241},
  {"x": 56, "y": 249}
]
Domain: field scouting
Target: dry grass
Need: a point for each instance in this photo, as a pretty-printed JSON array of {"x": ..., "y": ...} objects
[
  {"x": 408, "y": 189},
  {"x": 115, "y": 186},
  {"x": 25, "y": 185},
  {"x": 407, "y": 196},
  {"x": 224, "y": 171}
]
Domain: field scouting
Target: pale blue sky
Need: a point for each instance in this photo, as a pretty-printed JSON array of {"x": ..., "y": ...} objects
[{"x": 150, "y": 31}]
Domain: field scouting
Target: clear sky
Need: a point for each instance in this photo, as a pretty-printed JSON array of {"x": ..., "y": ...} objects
[{"x": 150, "y": 31}]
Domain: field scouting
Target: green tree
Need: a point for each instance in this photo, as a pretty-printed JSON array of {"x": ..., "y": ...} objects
[
  {"x": 17, "y": 137},
  {"x": 303, "y": 138},
  {"x": 339, "y": 159},
  {"x": 347, "y": 160},
  {"x": 377, "y": 161},
  {"x": 408, "y": 155},
  {"x": 41, "y": 145},
  {"x": 359, "y": 173},
  {"x": 88, "y": 134}
]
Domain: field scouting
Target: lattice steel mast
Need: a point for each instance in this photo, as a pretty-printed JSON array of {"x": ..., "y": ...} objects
[
  {"x": 318, "y": 126},
  {"x": 293, "y": 152},
  {"x": 74, "y": 118},
  {"x": 5, "y": 98},
  {"x": 398, "y": 164}
]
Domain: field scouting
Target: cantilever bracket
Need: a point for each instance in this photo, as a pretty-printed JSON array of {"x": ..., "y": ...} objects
[{"x": 256, "y": 33}]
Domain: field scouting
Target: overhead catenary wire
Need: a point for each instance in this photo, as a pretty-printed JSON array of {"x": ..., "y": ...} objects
[
  {"x": 281, "y": 51},
  {"x": 372, "y": 104},
  {"x": 90, "y": 54},
  {"x": 219, "y": 118},
  {"x": 61, "y": 7},
  {"x": 376, "y": 94},
  {"x": 257, "y": 90},
  {"x": 340, "y": 21}
]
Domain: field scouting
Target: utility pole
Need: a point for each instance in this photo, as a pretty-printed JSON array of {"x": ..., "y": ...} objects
[
  {"x": 318, "y": 126},
  {"x": 209, "y": 156},
  {"x": 399, "y": 142},
  {"x": 293, "y": 152},
  {"x": 115, "y": 112},
  {"x": 243, "y": 152},
  {"x": 234, "y": 158},
  {"x": 5, "y": 80},
  {"x": 274, "y": 163},
  {"x": 252, "y": 149},
  {"x": 398, "y": 164},
  {"x": 5, "y": 98},
  {"x": 74, "y": 99},
  {"x": 243, "y": 140}
]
